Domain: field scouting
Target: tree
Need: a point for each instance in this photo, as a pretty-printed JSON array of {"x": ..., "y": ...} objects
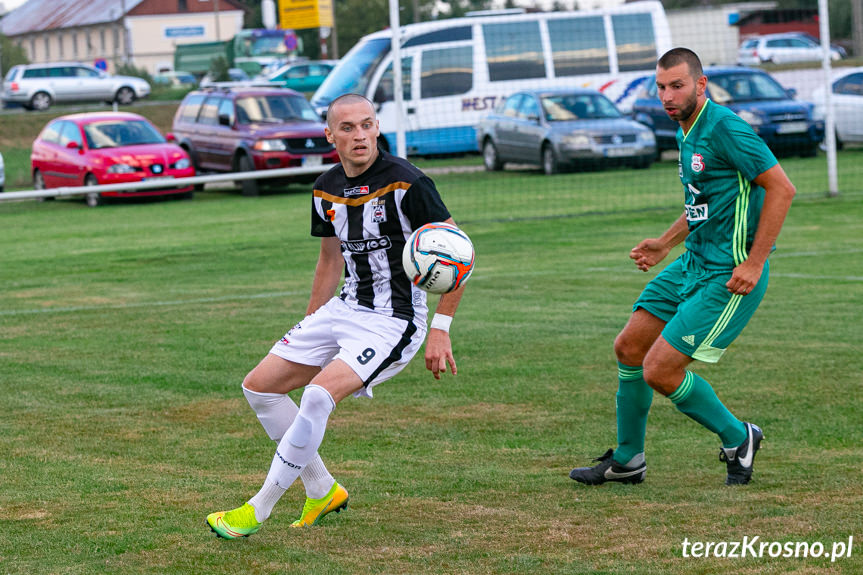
[{"x": 10, "y": 55}]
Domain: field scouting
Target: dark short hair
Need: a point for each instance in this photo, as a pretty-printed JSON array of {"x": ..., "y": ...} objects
[
  {"x": 348, "y": 99},
  {"x": 677, "y": 56}
]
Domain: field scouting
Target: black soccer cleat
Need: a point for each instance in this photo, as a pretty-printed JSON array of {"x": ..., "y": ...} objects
[
  {"x": 740, "y": 462},
  {"x": 608, "y": 470}
]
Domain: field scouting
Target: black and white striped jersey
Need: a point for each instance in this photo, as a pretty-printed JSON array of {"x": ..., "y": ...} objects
[{"x": 373, "y": 215}]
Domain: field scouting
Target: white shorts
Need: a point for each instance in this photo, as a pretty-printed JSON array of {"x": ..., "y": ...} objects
[{"x": 375, "y": 346}]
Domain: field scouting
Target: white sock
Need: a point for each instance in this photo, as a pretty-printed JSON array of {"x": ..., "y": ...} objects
[
  {"x": 276, "y": 412},
  {"x": 298, "y": 446},
  {"x": 265, "y": 499}
]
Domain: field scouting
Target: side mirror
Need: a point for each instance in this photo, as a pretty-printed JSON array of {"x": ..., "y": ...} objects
[
  {"x": 224, "y": 120},
  {"x": 792, "y": 92},
  {"x": 171, "y": 137},
  {"x": 72, "y": 145},
  {"x": 533, "y": 118}
]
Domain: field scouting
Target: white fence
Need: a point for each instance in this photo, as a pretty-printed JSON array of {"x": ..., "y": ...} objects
[{"x": 162, "y": 184}]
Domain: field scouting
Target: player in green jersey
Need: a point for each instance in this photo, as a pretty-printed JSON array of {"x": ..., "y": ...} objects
[{"x": 736, "y": 199}]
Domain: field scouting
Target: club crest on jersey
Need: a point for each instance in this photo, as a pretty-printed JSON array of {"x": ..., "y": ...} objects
[
  {"x": 357, "y": 191},
  {"x": 697, "y": 163},
  {"x": 379, "y": 214}
]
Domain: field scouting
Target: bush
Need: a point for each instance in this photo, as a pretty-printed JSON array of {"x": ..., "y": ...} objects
[{"x": 128, "y": 69}]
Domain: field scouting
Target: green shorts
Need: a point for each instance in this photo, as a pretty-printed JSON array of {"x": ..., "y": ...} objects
[{"x": 702, "y": 317}]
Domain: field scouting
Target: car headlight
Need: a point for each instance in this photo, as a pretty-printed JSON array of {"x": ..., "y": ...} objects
[
  {"x": 121, "y": 169},
  {"x": 182, "y": 164},
  {"x": 646, "y": 137},
  {"x": 577, "y": 140},
  {"x": 751, "y": 118},
  {"x": 819, "y": 113},
  {"x": 270, "y": 146}
]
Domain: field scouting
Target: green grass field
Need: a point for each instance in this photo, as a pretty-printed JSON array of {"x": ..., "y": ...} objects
[{"x": 125, "y": 332}]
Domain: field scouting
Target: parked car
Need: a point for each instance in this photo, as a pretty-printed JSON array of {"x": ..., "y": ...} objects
[
  {"x": 107, "y": 148},
  {"x": 175, "y": 79},
  {"x": 786, "y": 125},
  {"x": 847, "y": 103},
  {"x": 245, "y": 129},
  {"x": 557, "y": 129},
  {"x": 302, "y": 76},
  {"x": 2, "y": 174},
  {"x": 234, "y": 75},
  {"x": 781, "y": 49},
  {"x": 38, "y": 86}
]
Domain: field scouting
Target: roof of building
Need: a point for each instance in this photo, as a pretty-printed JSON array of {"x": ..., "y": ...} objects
[{"x": 41, "y": 15}]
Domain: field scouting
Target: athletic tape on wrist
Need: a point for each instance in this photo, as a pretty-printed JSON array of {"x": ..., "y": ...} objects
[{"x": 441, "y": 322}]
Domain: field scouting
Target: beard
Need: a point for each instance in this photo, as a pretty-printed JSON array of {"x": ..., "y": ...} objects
[{"x": 685, "y": 111}]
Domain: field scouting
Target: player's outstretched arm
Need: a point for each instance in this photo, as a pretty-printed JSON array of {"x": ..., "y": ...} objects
[
  {"x": 438, "y": 344},
  {"x": 778, "y": 193},
  {"x": 328, "y": 273},
  {"x": 651, "y": 251}
]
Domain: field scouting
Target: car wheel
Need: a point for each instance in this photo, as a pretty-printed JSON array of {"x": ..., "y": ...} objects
[
  {"x": 94, "y": 199},
  {"x": 490, "y": 158},
  {"x": 643, "y": 163},
  {"x": 810, "y": 151},
  {"x": 125, "y": 96},
  {"x": 193, "y": 157},
  {"x": 39, "y": 184},
  {"x": 839, "y": 143},
  {"x": 550, "y": 164},
  {"x": 249, "y": 188},
  {"x": 40, "y": 101}
]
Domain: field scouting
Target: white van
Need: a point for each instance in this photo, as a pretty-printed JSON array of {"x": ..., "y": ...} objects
[{"x": 455, "y": 71}]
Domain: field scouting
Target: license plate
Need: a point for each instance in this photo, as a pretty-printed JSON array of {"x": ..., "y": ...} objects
[
  {"x": 312, "y": 161},
  {"x": 792, "y": 128},
  {"x": 619, "y": 152}
]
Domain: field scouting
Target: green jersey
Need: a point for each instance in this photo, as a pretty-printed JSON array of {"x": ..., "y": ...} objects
[{"x": 719, "y": 158}]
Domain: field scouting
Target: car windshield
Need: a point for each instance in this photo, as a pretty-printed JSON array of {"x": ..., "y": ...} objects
[
  {"x": 568, "y": 107},
  {"x": 734, "y": 88},
  {"x": 114, "y": 133},
  {"x": 354, "y": 71},
  {"x": 274, "y": 109}
]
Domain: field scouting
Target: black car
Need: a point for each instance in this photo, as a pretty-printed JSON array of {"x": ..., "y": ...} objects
[{"x": 785, "y": 124}]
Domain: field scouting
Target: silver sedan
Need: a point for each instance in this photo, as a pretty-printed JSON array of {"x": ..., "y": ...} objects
[{"x": 561, "y": 129}]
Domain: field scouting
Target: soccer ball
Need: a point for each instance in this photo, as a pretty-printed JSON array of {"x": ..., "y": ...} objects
[{"x": 438, "y": 257}]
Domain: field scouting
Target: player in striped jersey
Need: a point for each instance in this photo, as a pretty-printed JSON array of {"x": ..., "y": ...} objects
[
  {"x": 363, "y": 209},
  {"x": 736, "y": 199}
]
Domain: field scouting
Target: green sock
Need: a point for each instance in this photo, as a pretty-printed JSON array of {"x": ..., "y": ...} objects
[
  {"x": 634, "y": 397},
  {"x": 696, "y": 398}
]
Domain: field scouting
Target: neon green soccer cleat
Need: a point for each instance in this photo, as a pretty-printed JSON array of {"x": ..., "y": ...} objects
[
  {"x": 239, "y": 522},
  {"x": 315, "y": 509}
]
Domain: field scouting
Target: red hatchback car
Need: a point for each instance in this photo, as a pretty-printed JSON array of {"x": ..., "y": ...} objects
[
  {"x": 241, "y": 129},
  {"x": 107, "y": 148}
]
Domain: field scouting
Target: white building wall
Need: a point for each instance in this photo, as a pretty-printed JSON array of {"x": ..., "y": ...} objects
[{"x": 154, "y": 38}]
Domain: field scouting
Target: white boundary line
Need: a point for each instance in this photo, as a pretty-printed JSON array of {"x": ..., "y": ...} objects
[{"x": 145, "y": 304}]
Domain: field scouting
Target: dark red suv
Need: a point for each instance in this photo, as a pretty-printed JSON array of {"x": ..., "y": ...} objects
[{"x": 245, "y": 129}]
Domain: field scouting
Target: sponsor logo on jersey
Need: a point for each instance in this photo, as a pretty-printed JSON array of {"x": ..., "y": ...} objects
[
  {"x": 357, "y": 191},
  {"x": 697, "y": 163},
  {"x": 696, "y": 213},
  {"x": 695, "y": 191},
  {"x": 379, "y": 213},
  {"x": 366, "y": 246},
  {"x": 690, "y": 339}
]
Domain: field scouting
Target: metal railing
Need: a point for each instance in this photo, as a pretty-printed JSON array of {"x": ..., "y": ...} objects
[{"x": 161, "y": 184}]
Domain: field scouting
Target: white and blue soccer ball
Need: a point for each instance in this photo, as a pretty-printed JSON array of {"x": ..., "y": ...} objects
[{"x": 438, "y": 257}]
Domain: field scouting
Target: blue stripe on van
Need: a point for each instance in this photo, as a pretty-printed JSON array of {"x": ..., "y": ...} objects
[{"x": 452, "y": 140}]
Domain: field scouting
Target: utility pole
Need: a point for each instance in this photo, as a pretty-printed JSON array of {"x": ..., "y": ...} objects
[{"x": 857, "y": 27}]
